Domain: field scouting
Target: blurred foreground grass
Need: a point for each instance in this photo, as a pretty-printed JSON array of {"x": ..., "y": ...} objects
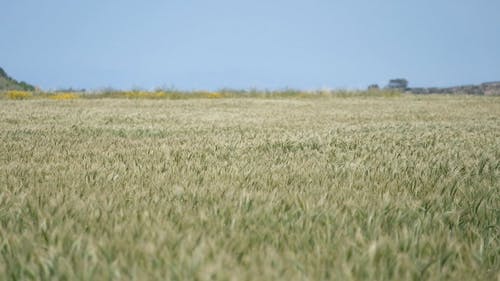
[{"x": 356, "y": 188}]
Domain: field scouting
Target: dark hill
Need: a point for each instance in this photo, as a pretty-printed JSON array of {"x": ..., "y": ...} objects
[{"x": 9, "y": 83}]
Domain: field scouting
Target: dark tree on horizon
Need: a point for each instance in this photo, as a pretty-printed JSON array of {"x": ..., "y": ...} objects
[{"x": 399, "y": 83}]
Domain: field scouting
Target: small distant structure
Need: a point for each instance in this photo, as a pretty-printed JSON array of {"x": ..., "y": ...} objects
[
  {"x": 398, "y": 84},
  {"x": 373, "y": 87}
]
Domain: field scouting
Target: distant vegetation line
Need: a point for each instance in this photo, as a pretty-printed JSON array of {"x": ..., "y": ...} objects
[
  {"x": 12, "y": 89},
  {"x": 175, "y": 94}
]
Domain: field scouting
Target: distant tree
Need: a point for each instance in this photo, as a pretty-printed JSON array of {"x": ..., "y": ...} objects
[
  {"x": 399, "y": 84},
  {"x": 26, "y": 87},
  {"x": 373, "y": 87},
  {"x": 3, "y": 73}
]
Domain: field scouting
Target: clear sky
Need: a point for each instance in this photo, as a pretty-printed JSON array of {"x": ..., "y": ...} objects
[{"x": 202, "y": 44}]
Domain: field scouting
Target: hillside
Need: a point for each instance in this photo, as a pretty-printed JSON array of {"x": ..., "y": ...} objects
[
  {"x": 8, "y": 83},
  {"x": 489, "y": 89}
]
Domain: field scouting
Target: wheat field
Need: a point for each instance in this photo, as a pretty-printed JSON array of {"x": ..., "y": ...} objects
[{"x": 328, "y": 188}]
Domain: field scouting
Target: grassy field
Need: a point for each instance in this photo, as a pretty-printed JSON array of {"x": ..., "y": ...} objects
[{"x": 326, "y": 188}]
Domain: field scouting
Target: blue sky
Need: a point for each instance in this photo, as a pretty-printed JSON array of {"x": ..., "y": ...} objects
[{"x": 200, "y": 44}]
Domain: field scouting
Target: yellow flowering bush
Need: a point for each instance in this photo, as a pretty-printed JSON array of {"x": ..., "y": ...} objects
[
  {"x": 64, "y": 96},
  {"x": 19, "y": 95},
  {"x": 214, "y": 95}
]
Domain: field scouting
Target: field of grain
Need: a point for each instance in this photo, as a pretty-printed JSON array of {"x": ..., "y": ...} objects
[{"x": 327, "y": 188}]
